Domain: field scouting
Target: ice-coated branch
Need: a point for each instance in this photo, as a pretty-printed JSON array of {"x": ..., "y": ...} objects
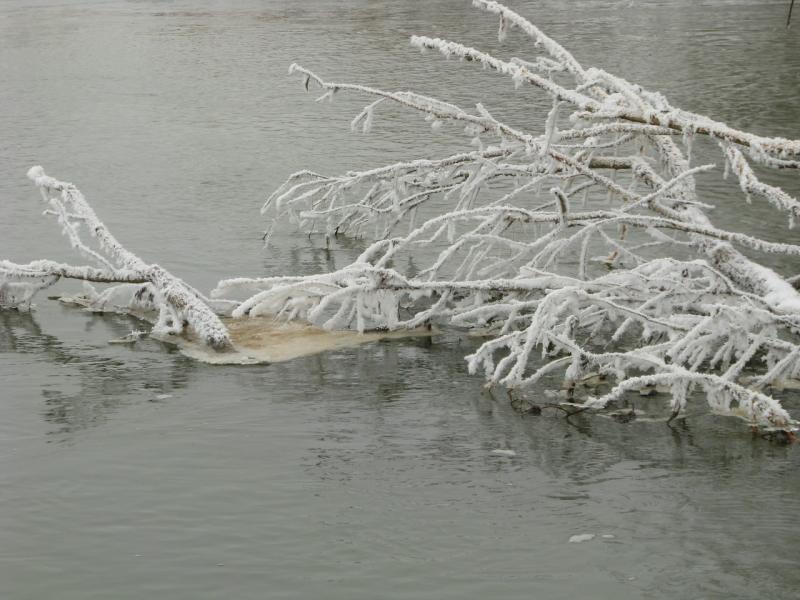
[
  {"x": 177, "y": 305},
  {"x": 773, "y": 152},
  {"x": 553, "y": 48}
]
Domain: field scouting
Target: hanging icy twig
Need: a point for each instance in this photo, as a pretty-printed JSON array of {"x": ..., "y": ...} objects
[{"x": 751, "y": 185}]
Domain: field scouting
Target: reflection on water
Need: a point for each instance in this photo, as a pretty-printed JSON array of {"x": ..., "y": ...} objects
[
  {"x": 362, "y": 472},
  {"x": 96, "y": 382}
]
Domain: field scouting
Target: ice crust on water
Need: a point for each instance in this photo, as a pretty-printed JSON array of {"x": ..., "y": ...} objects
[{"x": 264, "y": 340}]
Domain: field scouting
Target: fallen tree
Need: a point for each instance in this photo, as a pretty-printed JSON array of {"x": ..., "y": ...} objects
[
  {"x": 583, "y": 249},
  {"x": 141, "y": 288}
]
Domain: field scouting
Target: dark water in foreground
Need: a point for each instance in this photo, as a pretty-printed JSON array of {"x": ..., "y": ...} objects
[{"x": 361, "y": 473}]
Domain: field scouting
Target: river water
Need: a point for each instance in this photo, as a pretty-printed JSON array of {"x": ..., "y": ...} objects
[{"x": 357, "y": 473}]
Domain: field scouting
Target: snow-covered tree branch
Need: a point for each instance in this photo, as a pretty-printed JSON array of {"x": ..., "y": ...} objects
[
  {"x": 141, "y": 287},
  {"x": 580, "y": 250}
]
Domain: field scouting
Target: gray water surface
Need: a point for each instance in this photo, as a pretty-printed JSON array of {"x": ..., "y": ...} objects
[{"x": 362, "y": 473}]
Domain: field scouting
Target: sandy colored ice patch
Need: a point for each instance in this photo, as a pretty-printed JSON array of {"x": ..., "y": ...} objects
[{"x": 264, "y": 340}]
